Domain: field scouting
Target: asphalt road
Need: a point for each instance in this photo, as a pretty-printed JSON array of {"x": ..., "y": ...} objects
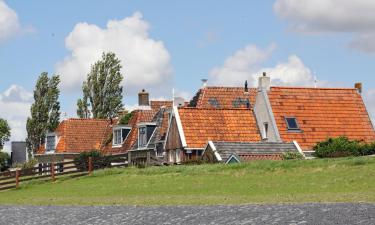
[{"x": 243, "y": 214}]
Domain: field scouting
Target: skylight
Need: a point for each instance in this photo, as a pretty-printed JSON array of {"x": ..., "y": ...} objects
[{"x": 292, "y": 123}]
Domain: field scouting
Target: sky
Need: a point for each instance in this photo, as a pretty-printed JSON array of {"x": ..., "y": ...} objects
[{"x": 166, "y": 44}]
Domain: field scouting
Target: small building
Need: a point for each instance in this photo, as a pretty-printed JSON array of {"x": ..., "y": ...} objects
[
  {"x": 19, "y": 152},
  {"x": 236, "y": 152},
  {"x": 191, "y": 129}
]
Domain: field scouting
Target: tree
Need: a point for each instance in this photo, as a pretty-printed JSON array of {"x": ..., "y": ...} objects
[
  {"x": 45, "y": 111},
  {"x": 102, "y": 91},
  {"x": 4, "y": 132}
]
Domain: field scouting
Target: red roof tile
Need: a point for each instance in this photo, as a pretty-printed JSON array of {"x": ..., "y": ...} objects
[
  {"x": 79, "y": 135},
  {"x": 321, "y": 113},
  {"x": 223, "y": 97},
  {"x": 203, "y": 125}
]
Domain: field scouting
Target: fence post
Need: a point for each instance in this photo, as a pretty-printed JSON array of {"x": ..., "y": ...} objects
[
  {"x": 53, "y": 171},
  {"x": 90, "y": 165},
  {"x": 17, "y": 178}
]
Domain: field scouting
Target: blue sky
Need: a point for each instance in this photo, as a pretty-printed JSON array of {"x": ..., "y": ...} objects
[{"x": 173, "y": 44}]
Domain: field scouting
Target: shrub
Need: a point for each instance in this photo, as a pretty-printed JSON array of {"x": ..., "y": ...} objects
[
  {"x": 292, "y": 156},
  {"x": 99, "y": 161},
  {"x": 4, "y": 158},
  {"x": 368, "y": 149},
  {"x": 337, "y": 147},
  {"x": 27, "y": 165}
]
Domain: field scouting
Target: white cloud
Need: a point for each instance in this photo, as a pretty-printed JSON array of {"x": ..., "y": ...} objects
[
  {"x": 330, "y": 16},
  {"x": 9, "y": 24},
  {"x": 145, "y": 61},
  {"x": 15, "y": 105},
  {"x": 246, "y": 64},
  {"x": 293, "y": 72},
  {"x": 240, "y": 66}
]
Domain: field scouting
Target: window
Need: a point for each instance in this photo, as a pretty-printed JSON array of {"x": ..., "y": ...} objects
[
  {"x": 119, "y": 135},
  {"x": 50, "y": 143},
  {"x": 145, "y": 132},
  {"x": 291, "y": 123},
  {"x": 265, "y": 130}
]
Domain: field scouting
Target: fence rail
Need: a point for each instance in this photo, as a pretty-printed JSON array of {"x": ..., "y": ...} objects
[{"x": 52, "y": 171}]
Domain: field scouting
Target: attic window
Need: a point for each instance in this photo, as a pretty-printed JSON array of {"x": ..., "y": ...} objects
[
  {"x": 292, "y": 123},
  {"x": 50, "y": 142},
  {"x": 145, "y": 132},
  {"x": 119, "y": 135}
]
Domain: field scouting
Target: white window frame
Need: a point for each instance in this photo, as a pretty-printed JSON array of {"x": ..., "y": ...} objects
[
  {"x": 265, "y": 130},
  {"x": 139, "y": 136},
  {"x": 123, "y": 139},
  {"x": 54, "y": 149}
]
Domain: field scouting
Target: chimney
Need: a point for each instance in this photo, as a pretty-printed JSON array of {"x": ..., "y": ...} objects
[
  {"x": 204, "y": 83},
  {"x": 143, "y": 98},
  {"x": 264, "y": 82},
  {"x": 358, "y": 86},
  {"x": 246, "y": 88}
]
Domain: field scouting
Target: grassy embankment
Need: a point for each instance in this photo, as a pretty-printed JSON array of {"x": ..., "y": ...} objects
[{"x": 321, "y": 180}]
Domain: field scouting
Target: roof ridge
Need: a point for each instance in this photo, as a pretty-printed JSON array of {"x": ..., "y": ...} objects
[
  {"x": 218, "y": 109},
  {"x": 312, "y": 88}
]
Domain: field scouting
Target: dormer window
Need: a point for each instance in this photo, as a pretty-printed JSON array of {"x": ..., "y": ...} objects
[
  {"x": 50, "y": 142},
  {"x": 120, "y": 133},
  {"x": 292, "y": 124},
  {"x": 145, "y": 131}
]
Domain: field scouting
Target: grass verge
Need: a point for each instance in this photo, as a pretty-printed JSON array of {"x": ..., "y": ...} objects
[{"x": 320, "y": 180}]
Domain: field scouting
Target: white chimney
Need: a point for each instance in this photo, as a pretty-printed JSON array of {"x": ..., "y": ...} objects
[
  {"x": 204, "y": 83},
  {"x": 264, "y": 82}
]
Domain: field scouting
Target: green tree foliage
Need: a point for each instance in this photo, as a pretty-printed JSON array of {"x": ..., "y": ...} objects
[
  {"x": 45, "y": 111},
  {"x": 4, "y": 132},
  {"x": 102, "y": 91},
  {"x": 4, "y": 158},
  {"x": 124, "y": 120}
]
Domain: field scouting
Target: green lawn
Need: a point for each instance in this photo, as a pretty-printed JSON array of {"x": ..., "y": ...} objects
[{"x": 321, "y": 180}]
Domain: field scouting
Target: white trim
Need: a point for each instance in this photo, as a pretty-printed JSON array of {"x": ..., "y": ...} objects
[
  {"x": 179, "y": 126},
  {"x": 169, "y": 125},
  {"x": 214, "y": 150},
  {"x": 148, "y": 141},
  {"x": 299, "y": 148},
  {"x": 271, "y": 115},
  {"x": 233, "y": 156},
  {"x": 140, "y": 124},
  {"x": 122, "y": 139}
]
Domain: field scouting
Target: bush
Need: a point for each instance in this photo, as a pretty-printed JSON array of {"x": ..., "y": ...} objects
[
  {"x": 27, "y": 165},
  {"x": 99, "y": 161},
  {"x": 338, "y": 147},
  {"x": 4, "y": 159},
  {"x": 292, "y": 156},
  {"x": 368, "y": 149}
]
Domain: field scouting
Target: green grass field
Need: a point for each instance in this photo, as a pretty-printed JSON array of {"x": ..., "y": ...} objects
[{"x": 321, "y": 180}]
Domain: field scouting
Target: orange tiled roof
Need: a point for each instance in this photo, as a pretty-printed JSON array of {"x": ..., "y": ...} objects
[
  {"x": 321, "y": 113},
  {"x": 223, "y": 97},
  {"x": 156, "y": 105},
  {"x": 79, "y": 135},
  {"x": 203, "y": 125},
  {"x": 138, "y": 116}
]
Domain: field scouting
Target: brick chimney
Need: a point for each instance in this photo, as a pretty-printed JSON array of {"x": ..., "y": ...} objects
[
  {"x": 264, "y": 82},
  {"x": 358, "y": 86},
  {"x": 143, "y": 98}
]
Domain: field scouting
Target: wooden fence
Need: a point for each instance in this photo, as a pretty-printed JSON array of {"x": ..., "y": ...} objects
[{"x": 52, "y": 171}]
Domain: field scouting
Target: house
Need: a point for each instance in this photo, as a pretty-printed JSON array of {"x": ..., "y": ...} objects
[
  {"x": 74, "y": 136},
  {"x": 311, "y": 115},
  {"x": 190, "y": 130}
]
